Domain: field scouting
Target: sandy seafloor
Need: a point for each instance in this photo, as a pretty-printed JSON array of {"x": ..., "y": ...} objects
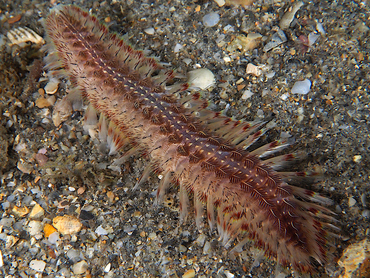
[{"x": 123, "y": 235}]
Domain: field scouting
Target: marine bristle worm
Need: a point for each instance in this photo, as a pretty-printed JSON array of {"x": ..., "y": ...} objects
[{"x": 241, "y": 192}]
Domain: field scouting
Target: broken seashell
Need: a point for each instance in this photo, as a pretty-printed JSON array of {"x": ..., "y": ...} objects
[
  {"x": 62, "y": 110},
  {"x": 276, "y": 39},
  {"x": 289, "y": 15},
  {"x": 201, "y": 78},
  {"x": 21, "y": 35}
]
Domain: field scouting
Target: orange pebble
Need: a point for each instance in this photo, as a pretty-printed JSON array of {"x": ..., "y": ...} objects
[{"x": 49, "y": 229}]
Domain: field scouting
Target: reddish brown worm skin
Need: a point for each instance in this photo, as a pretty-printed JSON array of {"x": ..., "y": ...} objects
[{"x": 204, "y": 152}]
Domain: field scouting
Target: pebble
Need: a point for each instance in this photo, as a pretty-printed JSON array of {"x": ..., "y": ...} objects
[
  {"x": 224, "y": 95},
  {"x": 5, "y": 205},
  {"x": 14, "y": 19},
  {"x": 227, "y": 59},
  {"x": 107, "y": 268},
  {"x": 41, "y": 159},
  {"x": 187, "y": 61},
  {"x": 48, "y": 230},
  {"x": 253, "y": 70},
  {"x": 301, "y": 87},
  {"x": 229, "y": 28},
  {"x": 182, "y": 248},
  {"x": 80, "y": 267},
  {"x": 20, "y": 211},
  {"x": 211, "y": 19},
  {"x": 37, "y": 265},
  {"x": 320, "y": 28},
  {"x": 201, "y": 78},
  {"x": 67, "y": 225},
  {"x": 10, "y": 241},
  {"x": 229, "y": 274},
  {"x": 21, "y": 147},
  {"x": 149, "y": 31},
  {"x": 312, "y": 38},
  {"x": 10, "y": 184},
  {"x": 177, "y": 48},
  {"x": 34, "y": 227},
  {"x": 270, "y": 74},
  {"x": 74, "y": 255},
  {"x": 207, "y": 248},
  {"x": 7, "y": 222},
  {"x": 220, "y": 3},
  {"x": 284, "y": 96},
  {"x": 247, "y": 94},
  {"x": 201, "y": 239},
  {"x": 54, "y": 238},
  {"x": 276, "y": 39},
  {"x": 111, "y": 196},
  {"x": 101, "y": 231},
  {"x": 43, "y": 102},
  {"x": 137, "y": 214},
  {"x": 24, "y": 167},
  {"x": 189, "y": 274},
  {"x": 351, "y": 201},
  {"x": 357, "y": 158}
]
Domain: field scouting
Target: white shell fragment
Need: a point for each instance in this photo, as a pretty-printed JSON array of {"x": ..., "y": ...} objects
[
  {"x": 289, "y": 15},
  {"x": 357, "y": 158},
  {"x": 276, "y": 39},
  {"x": 351, "y": 201},
  {"x": 320, "y": 28},
  {"x": 220, "y": 3},
  {"x": 149, "y": 31},
  {"x": 52, "y": 87},
  {"x": 312, "y": 38},
  {"x": 247, "y": 94},
  {"x": 34, "y": 228},
  {"x": 21, "y": 35},
  {"x": 302, "y": 87},
  {"x": 101, "y": 231},
  {"x": 80, "y": 267},
  {"x": 200, "y": 78},
  {"x": 177, "y": 48},
  {"x": 211, "y": 19},
  {"x": 37, "y": 265},
  {"x": 1, "y": 259}
]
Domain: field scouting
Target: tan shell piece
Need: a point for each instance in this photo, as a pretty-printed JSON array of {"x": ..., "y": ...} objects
[
  {"x": 67, "y": 224},
  {"x": 36, "y": 212},
  {"x": 62, "y": 111}
]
